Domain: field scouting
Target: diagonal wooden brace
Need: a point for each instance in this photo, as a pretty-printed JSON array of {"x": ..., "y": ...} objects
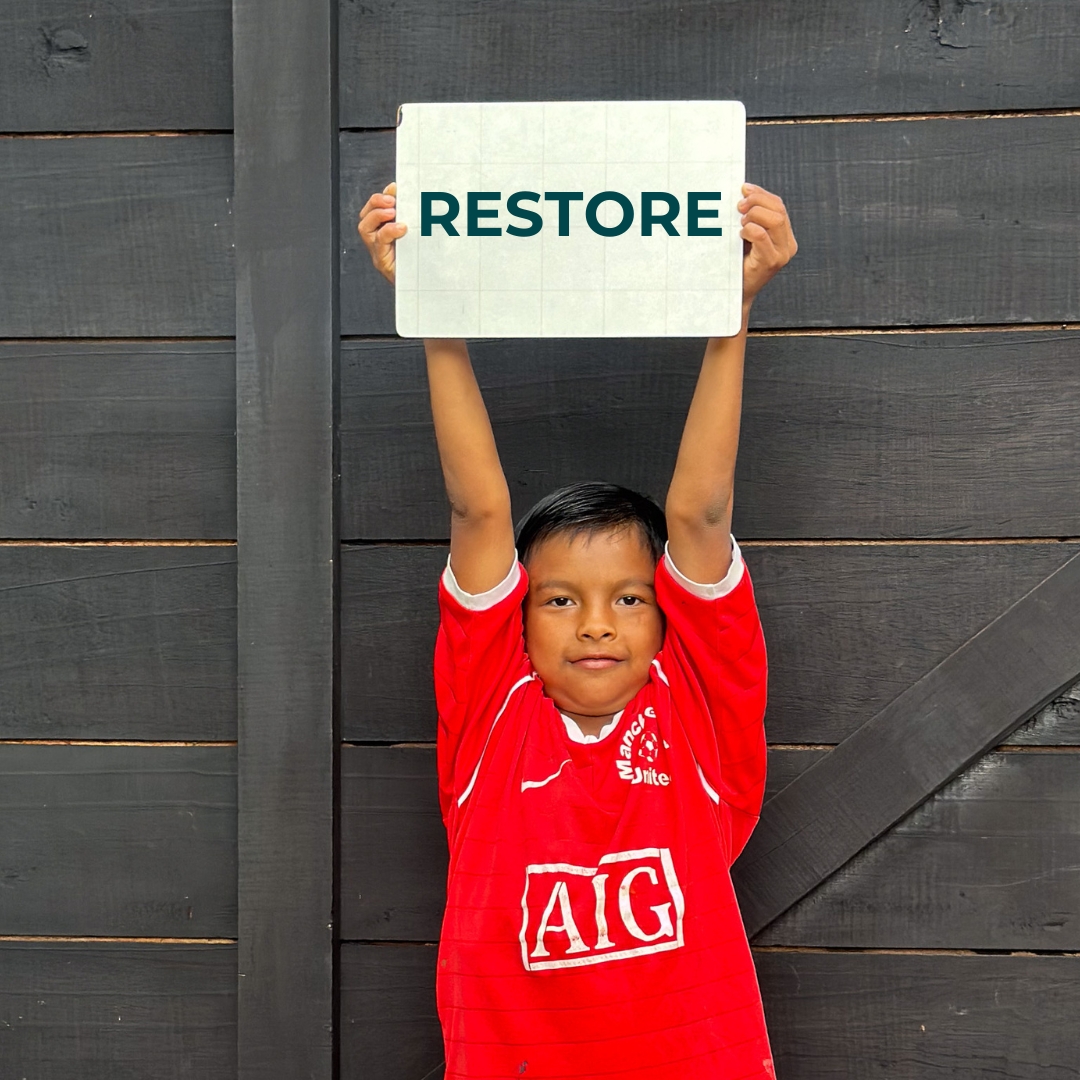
[{"x": 936, "y": 728}]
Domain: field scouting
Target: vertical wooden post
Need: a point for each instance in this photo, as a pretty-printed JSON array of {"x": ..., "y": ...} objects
[{"x": 285, "y": 121}]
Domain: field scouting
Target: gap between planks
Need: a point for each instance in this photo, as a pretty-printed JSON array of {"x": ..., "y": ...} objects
[
  {"x": 117, "y": 543},
  {"x": 116, "y": 340},
  {"x": 746, "y": 543},
  {"x": 119, "y": 940},
  {"x": 1004, "y": 748},
  {"x": 850, "y": 118},
  {"x": 175, "y": 134},
  {"x": 822, "y": 949},
  {"x": 835, "y": 949},
  {"x": 764, "y": 121},
  {"x": 889, "y": 118},
  {"x": 937, "y": 541},
  {"x": 809, "y": 331},
  {"x": 117, "y": 742}
]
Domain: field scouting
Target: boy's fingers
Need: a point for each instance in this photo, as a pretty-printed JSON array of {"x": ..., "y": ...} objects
[
  {"x": 773, "y": 203},
  {"x": 762, "y": 245},
  {"x": 378, "y": 200},
  {"x": 756, "y": 234},
  {"x": 371, "y": 222},
  {"x": 753, "y": 193},
  {"x": 391, "y": 188},
  {"x": 764, "y": 215},
  {"x": 388, "y": 234}
]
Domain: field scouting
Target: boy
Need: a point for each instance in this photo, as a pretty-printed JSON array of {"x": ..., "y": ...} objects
[{"x": 601, "y": 750}]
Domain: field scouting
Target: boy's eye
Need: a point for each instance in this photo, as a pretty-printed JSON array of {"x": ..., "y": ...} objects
[
  {"x": 630, "y": 601},
  {"x": 560, "y": 601}
]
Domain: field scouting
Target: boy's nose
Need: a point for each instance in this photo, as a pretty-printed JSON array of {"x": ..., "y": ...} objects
[{"x": 594, "y": 627}]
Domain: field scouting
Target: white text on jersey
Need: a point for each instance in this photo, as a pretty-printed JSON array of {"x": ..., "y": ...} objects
[{"x": 631, "y": 904}]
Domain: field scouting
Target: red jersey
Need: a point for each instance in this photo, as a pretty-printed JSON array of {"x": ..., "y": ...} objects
[{"x": 591, "y": 929}]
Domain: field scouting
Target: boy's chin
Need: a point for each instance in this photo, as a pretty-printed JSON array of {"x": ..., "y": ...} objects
[{"x": 594, "y": 704}]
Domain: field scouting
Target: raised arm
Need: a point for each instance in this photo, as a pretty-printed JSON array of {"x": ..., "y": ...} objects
[
  {"x": 699, "y": 500},
  {"x": 481, "y": 523}
]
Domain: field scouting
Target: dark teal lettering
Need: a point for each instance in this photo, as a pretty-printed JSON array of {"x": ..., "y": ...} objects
[
  {"x": 649, "y": 217},
  {"x": 695, "y": 212},
  {"x": 513, "y": 205},
  {"x": 476, "y": 212},
  {"x": 609, "y": 196},
  {"x": 429, "y": 218},
  {"x": 564, "y": 198}
]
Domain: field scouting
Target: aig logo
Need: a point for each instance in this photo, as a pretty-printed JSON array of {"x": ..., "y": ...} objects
[{"x": 629, "y": 905}]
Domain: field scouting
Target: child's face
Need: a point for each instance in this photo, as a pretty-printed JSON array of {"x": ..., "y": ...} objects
[{"x": 592, "y": 624}]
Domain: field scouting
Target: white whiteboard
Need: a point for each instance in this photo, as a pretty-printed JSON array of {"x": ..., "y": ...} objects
[{"x": 575, "y": 157}]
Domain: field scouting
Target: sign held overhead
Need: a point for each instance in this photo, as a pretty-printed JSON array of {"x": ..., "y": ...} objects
[{"x": 570, "y": 219}]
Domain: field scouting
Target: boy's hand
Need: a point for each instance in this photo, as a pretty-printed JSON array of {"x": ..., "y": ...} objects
[
  {"x": 769, "y": 242},
  {"x": 379, "y": 230}
]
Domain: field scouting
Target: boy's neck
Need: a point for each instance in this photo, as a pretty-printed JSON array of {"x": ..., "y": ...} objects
[{"x": 589, "y": 725}]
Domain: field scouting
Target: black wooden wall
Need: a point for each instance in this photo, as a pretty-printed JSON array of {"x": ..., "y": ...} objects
[
  {"x": 118, "y": 757},
  {"x": 908, "y": 472}
]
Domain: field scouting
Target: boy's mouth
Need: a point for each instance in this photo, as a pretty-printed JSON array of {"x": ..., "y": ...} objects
[{"x": 597, "y": 662}]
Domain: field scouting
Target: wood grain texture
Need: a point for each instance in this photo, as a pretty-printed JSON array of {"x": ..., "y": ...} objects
[
  {"x": 130, "y": 65},
  {"x": 879, "y": 435},
  {"x": 286, "y": 361},
  {"x": 393, "y": 844},
  {"x": 780, "y": 59},
  {"x": 991, "y": 861},
  {"x": 900, "y": 223},
  {"x": 833, "y": 1016},
  {"x": 118, "y": 643},
  {"x": 930, "y": 733},
  {"x": 389, "y": 616},
  {"x": 848, "y": 628},
  {"x": 389, "y": 1027},
  {"x": 118, "y": 1011},
  {"x": 118, "y": 440},
  {"x": 116, "y": 237},
  {"x": 1056, "y": 725},
  {"x": 135, "y": 841}
]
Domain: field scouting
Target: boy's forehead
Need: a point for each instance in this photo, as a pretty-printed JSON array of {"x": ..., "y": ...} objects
[{"x": 608, "y": 552}]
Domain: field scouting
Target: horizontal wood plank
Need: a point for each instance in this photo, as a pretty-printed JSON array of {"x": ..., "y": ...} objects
[
  {"x": 781, "y": 59},
  {"x": 129, "y": 65},
  {"x": 133, "y": 841},
  {"x": 117, "y": 642},
  {"x": 389, "y": 1027},
  {"x": 832, "y": 1016},
  {"x": 389, "y": 616},
  {"x": 118, "y": 1011},
  {"x": 901, "y": 223},
  {"x": 989, "y": 862},
  {"x": 901, "y": 1016},
  {"x": 878, "y": 435},
  {"x": 116, "y": 237},
  {"x": 393, "y": 844},
  {"x": 118, "y": 440},
  {"x": 992, "y": 861},
  {"x": 929, "y": 734},
  {"x": 1056, "y": 725},
  {"x": 848, "y": 627}
]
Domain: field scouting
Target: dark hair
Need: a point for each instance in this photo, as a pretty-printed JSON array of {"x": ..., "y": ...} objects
[{"x": 590, "y": 507}]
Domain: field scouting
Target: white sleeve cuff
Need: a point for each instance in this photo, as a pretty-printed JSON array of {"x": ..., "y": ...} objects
[
  {"x": 482, "y": 601},
  {"x": 720, "y": 588}
]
